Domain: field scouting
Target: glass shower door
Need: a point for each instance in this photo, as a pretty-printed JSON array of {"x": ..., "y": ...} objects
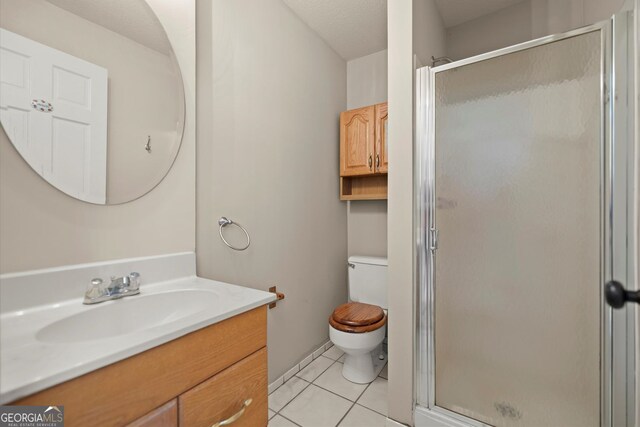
[
  {"x": 526, "y": 207},
  {"x": 517, "y": 191}
]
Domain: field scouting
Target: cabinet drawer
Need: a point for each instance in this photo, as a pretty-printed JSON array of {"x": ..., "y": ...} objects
[
  {"x": 164, "y": 416},
  {"x": 224, "y": 395}
]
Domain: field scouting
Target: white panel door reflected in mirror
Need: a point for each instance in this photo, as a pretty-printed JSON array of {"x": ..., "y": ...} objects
[
  {"x": 68, "y": 148},
  {"x": 91, "y": 95}
]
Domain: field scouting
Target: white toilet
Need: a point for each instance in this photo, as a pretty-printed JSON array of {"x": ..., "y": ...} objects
[{"x": 358, "y": 327}]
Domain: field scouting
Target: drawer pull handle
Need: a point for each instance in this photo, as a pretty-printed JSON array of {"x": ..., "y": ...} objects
[{"x": 233, "y": 418}]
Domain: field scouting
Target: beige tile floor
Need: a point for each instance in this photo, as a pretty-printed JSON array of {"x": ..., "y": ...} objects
[{"x": 319, "y": 396}]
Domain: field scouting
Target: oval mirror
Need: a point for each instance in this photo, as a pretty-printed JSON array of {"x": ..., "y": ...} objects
[{"x": 91, "y": 95}]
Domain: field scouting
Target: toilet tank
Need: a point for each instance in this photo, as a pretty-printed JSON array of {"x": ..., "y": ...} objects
[{"x": 368, "y": 280}]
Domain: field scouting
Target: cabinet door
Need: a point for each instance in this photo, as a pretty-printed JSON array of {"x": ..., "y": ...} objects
[
  {"x": 164, "y": 416},
  {"x": 382, "y": 160},
  {"x": 225, "y": 396},
  {"x": 357, "y": 140}
]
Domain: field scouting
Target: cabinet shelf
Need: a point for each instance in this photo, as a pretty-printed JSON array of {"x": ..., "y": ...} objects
[{"x": 365, "y": 187}]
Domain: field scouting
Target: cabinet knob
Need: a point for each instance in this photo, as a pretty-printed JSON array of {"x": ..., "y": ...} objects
[
  {"x": 377, "y": 160},
  {"x": 370, "y": 161},
  {"x": 233, "y": 418}
]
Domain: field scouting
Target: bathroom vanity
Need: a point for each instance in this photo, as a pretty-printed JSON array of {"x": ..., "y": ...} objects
[
  {"x": 196, "y": 380},
  {"x": 186, "y": 351}
]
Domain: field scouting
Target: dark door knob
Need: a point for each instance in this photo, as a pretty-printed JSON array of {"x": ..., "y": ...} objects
[{"x": 616, "y": 295}]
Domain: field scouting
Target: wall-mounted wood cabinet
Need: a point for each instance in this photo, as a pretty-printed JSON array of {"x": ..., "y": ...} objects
[
  {"x": 363, "y": 153},
  {"x": 382, "y": 131}
]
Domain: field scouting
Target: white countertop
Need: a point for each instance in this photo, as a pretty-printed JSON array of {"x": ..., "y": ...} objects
[{"x": 29, "y": 363}]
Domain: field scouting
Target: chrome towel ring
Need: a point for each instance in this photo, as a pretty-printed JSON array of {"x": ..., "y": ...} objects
[{"x": 223, "y": 222}]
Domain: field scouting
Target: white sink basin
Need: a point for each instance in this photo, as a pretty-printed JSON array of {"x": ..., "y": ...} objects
[
  {"x": 127, "y": 315},
  {"x": 47, "y": 336}
]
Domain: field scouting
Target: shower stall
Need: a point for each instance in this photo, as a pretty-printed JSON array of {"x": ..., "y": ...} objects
[{"x": 525, "y": 171}]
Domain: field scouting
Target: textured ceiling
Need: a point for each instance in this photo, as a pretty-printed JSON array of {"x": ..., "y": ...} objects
[
  {"x": 130, "y": 18},
  {"x": 456, "y": 12},
  {"x": 353, "y": 28}
]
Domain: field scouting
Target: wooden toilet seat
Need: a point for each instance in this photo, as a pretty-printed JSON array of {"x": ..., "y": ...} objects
[{"x": 357, "y": 318}]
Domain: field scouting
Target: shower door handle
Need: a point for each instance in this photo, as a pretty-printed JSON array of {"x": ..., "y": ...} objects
[{"x": 617, "y": 296}]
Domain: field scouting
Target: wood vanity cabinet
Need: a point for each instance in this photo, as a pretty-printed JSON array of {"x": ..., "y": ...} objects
[
  {"x": 196, "y": 380},
  {"x": 224, "y": 395},
  {"x": 164, "y": 416},
  {"x": 363, "y": 153}
]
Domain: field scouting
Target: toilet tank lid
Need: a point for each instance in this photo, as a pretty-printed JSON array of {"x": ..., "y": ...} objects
[{"x": 357, "y": 259}]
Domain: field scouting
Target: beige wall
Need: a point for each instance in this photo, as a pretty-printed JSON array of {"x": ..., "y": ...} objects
[
  {"x": 400, "y": 215},
  {"x": 637, "y": 201},
  {"x": 135, "y": 72},
  {"x": 409, "y": 22},
  {"x": 525, "y": 21},
  {"x": 367, "y": 80},
  {"x": 598, "y": 10},
  {"x": 506, "y": 27},
  {"x": 429, "y": 35},
  {"x": 367, "y": 219},
  {"x": 269, "y": 97},
  {"x": 367, "y": 227},
  {"x": 551, "y": 16},
  {"x": 400, "y": 236},
  {"x": 42, "y": 227}
]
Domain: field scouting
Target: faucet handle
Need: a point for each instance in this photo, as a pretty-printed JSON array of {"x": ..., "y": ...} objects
[
  {"x": 95, "y": 289},
  {"x": 134, "y": 281}
]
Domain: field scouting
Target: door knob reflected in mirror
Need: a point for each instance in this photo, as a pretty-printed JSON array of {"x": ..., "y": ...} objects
[{"x": 617, "y": 296}]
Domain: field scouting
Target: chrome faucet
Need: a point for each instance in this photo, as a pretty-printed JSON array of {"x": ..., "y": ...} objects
[{"x": 119, "y": 287}]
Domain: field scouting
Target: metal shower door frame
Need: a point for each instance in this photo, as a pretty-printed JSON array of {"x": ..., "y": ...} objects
[{"x": 617, "y": 361}]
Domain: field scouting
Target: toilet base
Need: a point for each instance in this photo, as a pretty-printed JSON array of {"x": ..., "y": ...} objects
[{"x": 363, "y": 368}]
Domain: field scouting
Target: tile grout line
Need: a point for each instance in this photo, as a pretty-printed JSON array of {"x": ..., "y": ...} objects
[
  {"x": 365, "y": 389},
  {"x": 306, "y": 387},
  {"x": 293, "y": 422},
  {"x": 366, "y": 407},
  {"x": 372, "y": 410},
  {"x": 327, "y": 368},
  {"x": 346, "y": 413},
  {"x": 309, "y": 383},
  {"x": 296, "y": 395},
  {"x": 300, "y": 378},
  {"x": 336, "y": 394},
  {"x": 333, "y": 392},
  {"x": 354, "y": 403}
]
